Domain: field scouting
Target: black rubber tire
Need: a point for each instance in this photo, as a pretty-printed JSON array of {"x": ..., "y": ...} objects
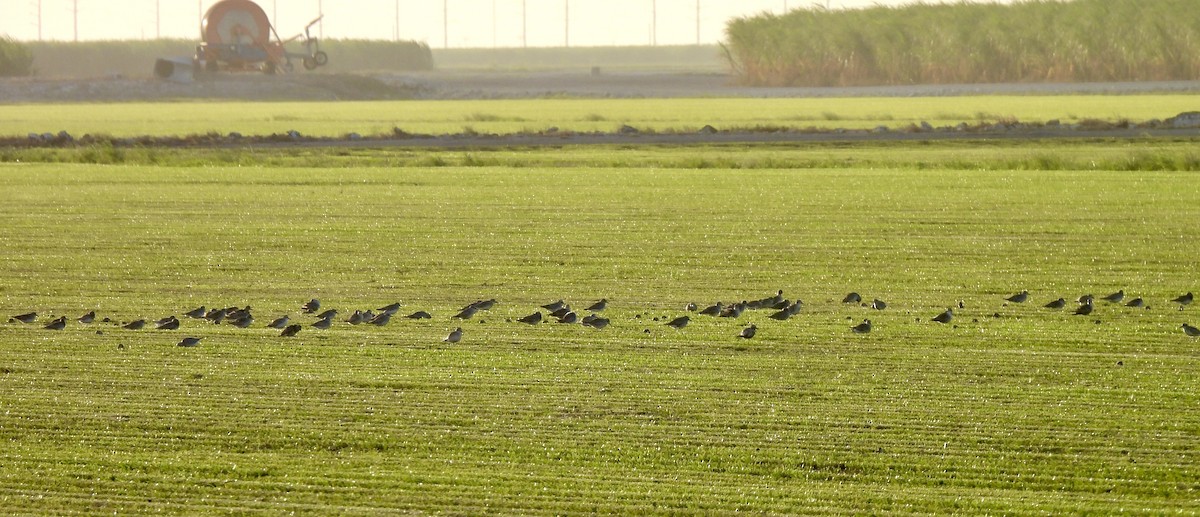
[
  {"x": 310, "y": 63},
  {"x": 321, "y": 58}
]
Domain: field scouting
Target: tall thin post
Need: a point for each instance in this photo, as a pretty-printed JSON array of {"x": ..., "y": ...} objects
[
  {"x": 493, "y": 23},
  {"x": 396, "y": 28},
  {"x": 653, "y": 23},
  {"x": 567, "y": 23},
  {"x": 274, "y": 12},
  {"x": 75, "y": 9},
  {"x": 157, "y": 19},
  {"x": 39, "y": 20},
  {"x": 320, "y": 24},
  {"x": 697, "y": 22},
  {"x": 445, "y": 23},
  {"x": 524, "y": 26}
]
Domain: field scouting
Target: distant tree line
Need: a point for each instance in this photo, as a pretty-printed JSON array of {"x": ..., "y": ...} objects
[
  {"x": 15, "y": 58},
  {"x": 1030, "y": 41}
]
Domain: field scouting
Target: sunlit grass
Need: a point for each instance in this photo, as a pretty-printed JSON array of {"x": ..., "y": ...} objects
[
  {"x": 1013, "y": 409},
  {"x": 512, "y": 116}
]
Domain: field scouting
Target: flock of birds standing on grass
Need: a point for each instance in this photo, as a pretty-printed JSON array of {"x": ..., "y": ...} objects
[{"x": 561, "y": 312}]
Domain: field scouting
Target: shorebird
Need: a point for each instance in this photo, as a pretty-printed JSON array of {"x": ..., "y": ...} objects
[
  {"x": 862, "y": 328},
  {"x": 748, "y": 332},
  {"x": 135, "y": 325},
  {"x": 944, "y": 317},
  {"x": 323, "y": 323},
  {"x": 87, "y": 318},
  {"x": 455, "y": 336},
  {"x": 279, "y": 323},
  {"x": 291, "y": 330},
  {"x": 197, "y": 313},
  {"x": 781, "y": 315},
  {"x": 1190, "y": 330},
  {"x": 595, "y": 321},
  {"x": 781, "y": 304},
  {"x": 466, "y": 313},
  {"x": 1085, "y": 308},
  {"x": 690, "y": 307},
  {"x": 1057, "y": 304},
  {"x": 483, "y": 305},
  {"x": 1087, "y": 298},
  {"x": 569, "y": 317},
  {"x": 878, "y": 304},
  {"x": 392, "y": 308},
  {"x": 355, "y": 318},
  {"x": 713, "y": 310},
  {"x": 312, "y": 306},
  {"x": 554, "y": 306},
  {"x": 169, "y": 324},
  {"x": 28, "y": 317},
  {"x": 852, "y": 298},
  {"x": 598, "y": 306},
  {"x": 328, "y": 315},
  {"x": 1184, "y": 300},
  {"x": 242, "y": 322},
  {"x": 1020, "y": 297},
  {"x": 419, "y": 315},
  {"x": 679, "y": 322},
  {"x": 58, "y": 324},
  {"x": 735, "y": 310},
  {"x": 1115, "y": 297},
  {"x": 190, "y": 341},
  {"x": 532, "y": 319},
  {"x": 1136, "y": 302},
  {"x": 381, "y": 319},
  {"x": 560, "y": 312}
]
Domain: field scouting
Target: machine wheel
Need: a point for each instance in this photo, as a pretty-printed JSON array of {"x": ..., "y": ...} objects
[
  {"x": 289, "y": 67},
  {"x": 321, "y": 58},
  {"x": 310, "y": 63}
]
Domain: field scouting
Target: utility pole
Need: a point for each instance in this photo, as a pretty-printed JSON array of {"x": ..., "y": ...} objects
[
  {"x": 320, "y": 24},
  {"x": 654, "y": 23},
  {"x": 75, "y": 9},
  {"x": 397, "y": 26},
  {"x": 524, "y": 27},
  {"x": 445, "y": 23},
  {"x": 39, "y": 20},
  {"x": 493, "y": 23},
  {"x": 697, "y": 23},
  {"x": 157, "y": 19},
  {"x": 567, "y": 22}
]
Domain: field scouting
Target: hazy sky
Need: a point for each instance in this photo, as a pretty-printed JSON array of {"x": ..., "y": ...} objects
[{"x": 471, "y": 23}]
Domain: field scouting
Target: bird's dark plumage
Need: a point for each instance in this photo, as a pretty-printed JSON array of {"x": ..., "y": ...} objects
[
  {"x": 862, "y": 328},
  {"x": 679, "y": 322},
  {"x": 58, "y": 324},
  {"x": 291, "y": 330},
  {"x": 1020, "y": 297},
  {"x": 1057, "y": 304},
  {"x": 748, "y": 332},
  {"x": 944, "y": 317},
  {"x": 419, "y": 315},
  {"x": 532, "y": 319},
  {"x": 312, "y": 306}
]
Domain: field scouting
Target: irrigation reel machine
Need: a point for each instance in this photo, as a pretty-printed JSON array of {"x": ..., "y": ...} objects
[{"x": 238, "y": 37}]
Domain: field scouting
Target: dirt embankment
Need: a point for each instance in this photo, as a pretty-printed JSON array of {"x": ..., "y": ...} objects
[{"x": 501, "y": 85}]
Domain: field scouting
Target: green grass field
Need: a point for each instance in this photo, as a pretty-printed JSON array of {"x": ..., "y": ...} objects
[
  {"x": 1012, "y": 409},
  {"x": 511, "y": 116}
]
